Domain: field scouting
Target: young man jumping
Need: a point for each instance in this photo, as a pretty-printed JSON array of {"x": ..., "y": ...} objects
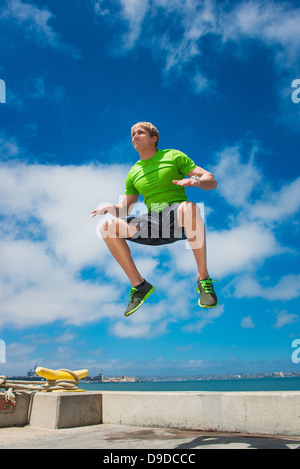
[{"x": 160, "y": 177}]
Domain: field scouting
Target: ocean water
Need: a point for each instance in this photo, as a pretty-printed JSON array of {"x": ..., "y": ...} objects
[{"x": 258, "y": 384}]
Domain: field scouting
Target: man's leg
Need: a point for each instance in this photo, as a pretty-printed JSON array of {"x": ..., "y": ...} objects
[
  {"x": 113, "y": 232},
  {"x": 190, "y": 218}
]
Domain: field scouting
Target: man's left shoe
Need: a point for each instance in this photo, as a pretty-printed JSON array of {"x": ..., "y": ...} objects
[
  {"x": 208, "y": 297},
  {"x": 137, "y": 297}
]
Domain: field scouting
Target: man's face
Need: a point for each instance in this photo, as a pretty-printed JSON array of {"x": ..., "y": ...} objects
[{"x": 142, "y": 140}]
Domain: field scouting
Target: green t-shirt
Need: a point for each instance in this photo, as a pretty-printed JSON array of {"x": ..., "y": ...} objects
[{"x": 153, "y": 178}]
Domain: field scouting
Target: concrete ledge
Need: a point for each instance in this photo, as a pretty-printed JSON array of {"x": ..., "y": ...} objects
[
  {"x": 66, "y": 409},
  {"x": 52, "y": 410},
  {"x": 14, "y": 415},
  {"x": 269, "y": 413}
]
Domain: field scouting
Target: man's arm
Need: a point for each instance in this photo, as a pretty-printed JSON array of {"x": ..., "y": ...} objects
[
  {"x": 121, "y": 209},
  {"x": 207, "y": 180}
]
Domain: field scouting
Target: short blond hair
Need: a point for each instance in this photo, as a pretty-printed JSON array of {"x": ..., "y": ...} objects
[{"x": 148, "y": 126}]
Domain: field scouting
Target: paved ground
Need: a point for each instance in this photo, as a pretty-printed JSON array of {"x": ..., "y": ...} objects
[{"x": 116, "y": 437}]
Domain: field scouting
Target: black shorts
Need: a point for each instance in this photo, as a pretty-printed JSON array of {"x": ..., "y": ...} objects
[{"x": 157, "y": 228}]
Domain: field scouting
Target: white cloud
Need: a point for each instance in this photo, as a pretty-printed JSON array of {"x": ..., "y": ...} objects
[
  {"x": 231, "y": 251},
  {"x": 133, "y": 11},
  {"x": 277, "y": 206},
  {"x": 100, "y": 9},
  {"x": 243, "y": 186},
  {"x": 59, "y": 200},
  {"x": 273, "y": 23},
  {"x": 284, "y": 318},
  {"x": 66, "y": 337},
  {"x": 236, "y": 178},
  {"x": 150, "y": 321},
  {"x": 35, "y": 23},
  {"x": 207, "y": 317},
  {"x": 252, "y": 237},
  {"x": 172, "y": 301},
  {"x": 157, "y": 366},
  {"x": 181, "y": 27},
  {"x": 19, "y": 351},
  {"x": 201, "y": 83},
  {"x": 241, "y": 248},
  {"x": 287, "y": 288},
  {"x": 37, "y": 289},
  {"x": 247, "y": 323},
  {"x": 39, "y": 89},
  {"x": 48, "y": 237},
  {"x": 193, "y": 21},
  {"x": 8, "y": 148}
]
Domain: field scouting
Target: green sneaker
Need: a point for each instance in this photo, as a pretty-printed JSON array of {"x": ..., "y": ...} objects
[
  {"x": 137, "y": 297},
  {"x": 208, "y": 297}
]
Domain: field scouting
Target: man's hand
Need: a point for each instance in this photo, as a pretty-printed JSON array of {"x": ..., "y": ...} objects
[
  {"x": 191, "y": 182},
  {"x": 122, "y": 209},
  {"x": 107, "y": 208}
]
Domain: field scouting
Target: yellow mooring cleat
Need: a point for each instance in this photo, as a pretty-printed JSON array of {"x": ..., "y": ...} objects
[{"x": 53, "y": 375}]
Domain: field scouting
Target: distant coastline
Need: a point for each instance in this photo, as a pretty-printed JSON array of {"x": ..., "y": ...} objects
[
  {"x": 185, "y": 378},
  {"x": 278, "y": 383},
  {"x": 168, "y": 378},
  {"x": 278, "y": 374},
  {"x": 255, "y": 382}
]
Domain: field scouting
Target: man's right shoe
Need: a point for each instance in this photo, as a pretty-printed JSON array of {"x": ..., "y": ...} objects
[
  {"x": 208, "y": 297},
  {"x": 138, "y": 296}
]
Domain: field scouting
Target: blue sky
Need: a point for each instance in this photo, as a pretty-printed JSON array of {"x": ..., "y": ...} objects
[{"x": 216, "y": 79}]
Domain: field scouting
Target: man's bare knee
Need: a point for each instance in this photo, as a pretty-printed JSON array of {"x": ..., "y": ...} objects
[
  {"x": 117, "y": 228},
  {"x": 107, "y": 229},
  {"x": 112, "y": 229}
]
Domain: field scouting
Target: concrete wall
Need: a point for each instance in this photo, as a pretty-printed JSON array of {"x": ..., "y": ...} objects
[
  {"x": 66, "y": 409},
  {"x": 14, "y": 415},
  {"x": 276, "y": 413},
  {"x": 273, "y": 413}
]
